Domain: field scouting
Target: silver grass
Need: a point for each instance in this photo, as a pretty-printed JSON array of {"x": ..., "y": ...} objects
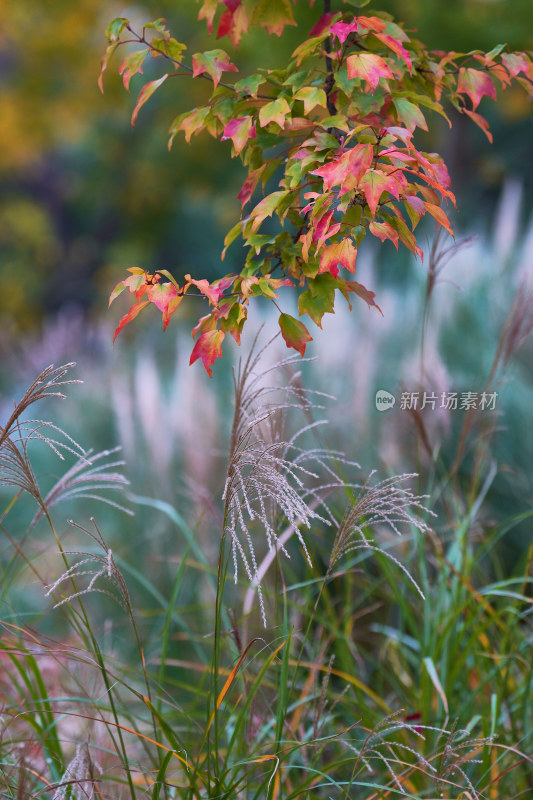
[
  {"x": 458, "y": 750},
  {"x": 77, "y": 782},
  {"x": 15, "y": 434},
  {"x": 45, "y": 385},
  {"x": 386, "y": 503},
  {"x": 94, "y": 567},
  {"x": 269, "y": 475},
  {"x": 86, "y": 480}
]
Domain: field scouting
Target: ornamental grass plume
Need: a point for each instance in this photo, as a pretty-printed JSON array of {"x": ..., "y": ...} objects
[
  {"x": 103, "y": 568},
  {"x": 86, "y": 478},
  {"x": 269, "y": 475},
  {"x": 386, "y": 503},
  {"x": 15, "y": 435},
  {"x": 444, "y": 766},
  {"x": 272, "y": 479},
  {"x": 78, "y": 782}
]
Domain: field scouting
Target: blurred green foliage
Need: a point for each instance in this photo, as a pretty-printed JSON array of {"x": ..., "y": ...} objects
[{"x": 83, "y": 195}]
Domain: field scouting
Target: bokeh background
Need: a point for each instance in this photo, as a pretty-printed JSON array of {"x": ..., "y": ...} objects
[{"x": 83, "y": 195}]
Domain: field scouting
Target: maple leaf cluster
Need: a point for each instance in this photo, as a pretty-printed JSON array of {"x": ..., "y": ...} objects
[{"x": 338, "y": 123}]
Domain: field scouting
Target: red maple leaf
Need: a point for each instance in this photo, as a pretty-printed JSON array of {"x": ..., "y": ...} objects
[
  {"x": 475, "y": 84},
  {"x": 208, "y": 348},
  {"x": 214, "y": 63},
  {"x": 239, "y": 130},
  {"x": 212, "y": 292},
  {"x": 374, "y": 183},
  {"x": 370, "y": 67},
  {"x": 132, "y": 313},
  {"x": 343, "y": 253}
]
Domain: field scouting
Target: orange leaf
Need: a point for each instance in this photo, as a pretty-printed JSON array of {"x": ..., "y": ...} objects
[
  {"x": 208, "y": 12},
  {"x": 516, "y": 63},
  {"x": 438, "y": 214},
  {"x": 343, "y": 253},
  {"x": 250, "y": 184},
  {"x": 145, "y": 93},
  {"x": 370, "y": 67},
  {"x": 394, "y": 45},
  {"x": 480, "y": 122},
  {"x": 208, "y": 348},
  {"x": 334, "y": 172},
  {"x": 374, "y": 183},
  {"x": 371, "y": 24},
  {"x": 165, "y": 296},
  {"x": 475, "y": 84},
  {"x": 233, "y": 23},
  {"x": 132, "y": 313},
  {"x": 214, "y": 63},
  {"x": 359, "y": 162},
  {"x": 364, "y": 293},
  {"x": 383, "y": 230}
]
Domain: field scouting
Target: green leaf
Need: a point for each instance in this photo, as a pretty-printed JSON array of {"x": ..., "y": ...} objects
[
  {"x": 297, "y": 79},
  {"x": 145, "y": 93},
  {"x": 353, "y": 215},
  {"x": 409, "y": 114},
  {"x": 316, "y": 303},
  {"x": 168, "y": 47},
  {"x": 275, "y": 111},
  {"x": 338, "y": 121},
  {"x": 189, "y": 123},
  {"x": 310, "y": 47},
  {"x": 491, "y": 55},
  {"x": 423, "y": 100},
  {"x": 273, "y": 15},
  {"x": 115, "y": 28},
  {"x": 312, "y": 96},
  {"x": 231, "y": 235},
  {"x": 266, "y": 207},
  {"x": 158, "y": 25},
  {"x": 131, "y": 65},
  {"x": 250, "y": 85},
  {"x": 294, "y": 332},
  {"x": 235, "y": 320}
]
